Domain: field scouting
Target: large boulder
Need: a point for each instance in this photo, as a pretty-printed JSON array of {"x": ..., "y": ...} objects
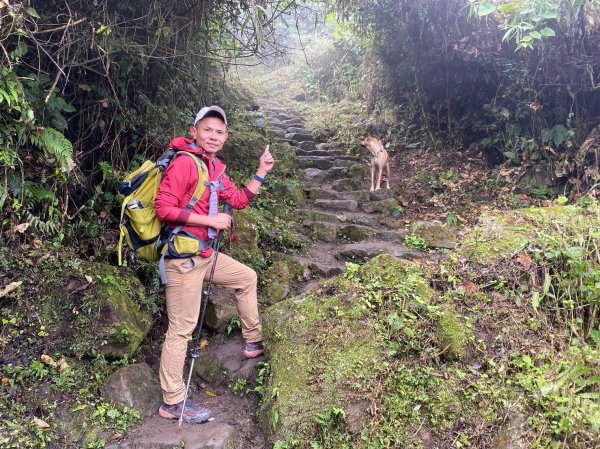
[
  {"x": 107, "y": 310},
  {"x": 135, "y": 386}
]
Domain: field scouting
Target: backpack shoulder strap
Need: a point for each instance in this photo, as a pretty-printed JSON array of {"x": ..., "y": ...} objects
[{"x": 202, "y": 177}]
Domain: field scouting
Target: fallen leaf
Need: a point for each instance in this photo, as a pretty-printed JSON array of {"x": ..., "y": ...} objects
[
  {"x": 62, "y": 365},
  {"x": 37, "y": 243},
  {"x": 115, "y": 437},
  {"x": 10, "y": 288},
  {"x": 471, "y": 288},
  {"x": 5, "y": 381},
  {"x": 41, "y": 423},
  {"x": 22, "y": 227},
  {"x": 525, "y": 260},
  {"x": 210, "y": 393},
  {"x": 89, "y": 278},
  {"x": 46, "y": 359}
]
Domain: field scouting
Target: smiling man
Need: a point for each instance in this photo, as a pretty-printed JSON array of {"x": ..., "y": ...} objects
[{"x": 184, "y": 276}]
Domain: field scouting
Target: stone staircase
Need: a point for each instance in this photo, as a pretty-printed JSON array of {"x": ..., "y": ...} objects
[{"x": 344, "y": 221}]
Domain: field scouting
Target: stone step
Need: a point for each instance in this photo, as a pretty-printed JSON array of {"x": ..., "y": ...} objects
[
  {"x": 344, "y": 163},
  {"x": 344, "y": 184},
  {"x": 295, "y": 121},
  {"x": 310, "y": 153},
  {"x": 362, "y": 251},
  {"x": 289, "y": 142},
  {"x": 321, "y": 262},
  {"x": 337, "y": 172},
  {"x": 329, "y": 157},
  {"x": 277, "y": 125},
  {"x": 318, "y": 193},
  {"x": 346, "y": 217},
  {"x": 308, "y": 162},
  {"x": 341, "y": 205},
  {"x": 307, "y": 146},
  {"x": 333, "y": 232},
  {"x": 293, "y": 129},
  {"x": 298, "y": 137}
]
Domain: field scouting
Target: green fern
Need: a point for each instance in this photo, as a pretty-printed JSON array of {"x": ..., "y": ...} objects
[
  {"x": 56, "y": 144},
  {"x": 37, "y": 195},
  {"x": 46, "y": 227}
]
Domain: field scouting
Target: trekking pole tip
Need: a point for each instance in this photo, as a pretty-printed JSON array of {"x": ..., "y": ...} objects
[{"x": 179, "y": 424}]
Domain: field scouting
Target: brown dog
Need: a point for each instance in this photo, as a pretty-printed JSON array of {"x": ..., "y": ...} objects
[{"x": 379, "y": 159}]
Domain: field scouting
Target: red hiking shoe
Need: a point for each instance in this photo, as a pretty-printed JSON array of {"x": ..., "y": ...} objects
[{"x": 253, "y": 350}]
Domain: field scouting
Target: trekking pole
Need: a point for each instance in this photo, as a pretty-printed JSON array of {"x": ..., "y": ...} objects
[{"x": 199, "y": 345}]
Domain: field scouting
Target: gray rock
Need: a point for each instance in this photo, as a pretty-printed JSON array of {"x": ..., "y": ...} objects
[
  {"x": 322, "y": 164},
  {"x": 347, "y": 205},
  {"x": 294, "y": 122},
  {"x": 300, "y": 97},
  {"x": 343, "y": 163},
  {"x": 261, "y": 122},
  {"x": 367, "y": 250},
  {"x": 276, "y": 132},
  {"x": 324, "y": 146},
  {"x": 308, "y": 146},
  {"x": 220, "y": 309},
  {"x": 314, "y": 175},
  {"x": 293, "y": 129},
  {"x": 163, "y": 434},
  {"x": 435, "y": 234},
  {"x": 299, "y": 137},
  {"x": 135, "y": 386},
  {"x": 344, "y": 185},
  {"x": 337, "y": 172}
]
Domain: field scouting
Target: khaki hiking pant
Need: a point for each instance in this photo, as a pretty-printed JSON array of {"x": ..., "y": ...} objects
[{"x": 183, "y": 292}]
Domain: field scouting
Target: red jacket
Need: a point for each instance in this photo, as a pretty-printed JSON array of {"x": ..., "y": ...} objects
[{"x": 179, "y": 183}]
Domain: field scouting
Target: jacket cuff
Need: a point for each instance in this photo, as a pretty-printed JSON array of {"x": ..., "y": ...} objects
[{"x": 249, "y": 194}]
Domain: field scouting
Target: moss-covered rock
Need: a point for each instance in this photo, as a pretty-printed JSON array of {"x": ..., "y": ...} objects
[
  {"x": 435, "y": 234},
  {"x": 93, "y": 307},
  {"x": 324, "y": 232},
  {"x": 327, "y": 349},
  {"x": 501, "y": 235},
  {"x": 452, "y": 334},
  {"x": 388, "y": 206},
  {"x": 279, "y": 279}
]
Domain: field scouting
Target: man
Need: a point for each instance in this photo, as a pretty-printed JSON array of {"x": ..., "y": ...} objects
[{"x": 184, "y": 276}]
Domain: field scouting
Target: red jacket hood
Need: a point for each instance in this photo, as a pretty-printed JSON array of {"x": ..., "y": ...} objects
[{"x": 184, "y": 144}]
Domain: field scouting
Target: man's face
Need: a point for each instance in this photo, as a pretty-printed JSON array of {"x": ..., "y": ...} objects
[{"x": 210, "y": 134}]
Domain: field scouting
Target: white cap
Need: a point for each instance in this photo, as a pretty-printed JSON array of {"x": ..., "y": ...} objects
[{"x": 210, "y": 111}]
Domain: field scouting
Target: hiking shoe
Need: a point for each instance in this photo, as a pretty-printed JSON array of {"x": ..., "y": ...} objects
[
  {"x": 193, "y": 414},
  {"x": 253, "y": 350}
]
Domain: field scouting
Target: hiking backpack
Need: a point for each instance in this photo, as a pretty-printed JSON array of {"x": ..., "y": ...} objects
[{"x": 140, "y": 227}]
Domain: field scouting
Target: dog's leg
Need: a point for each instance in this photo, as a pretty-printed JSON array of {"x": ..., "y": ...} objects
[
  {"x": 379, "y": 173},
  {"x": 387, "y": 180},
  {"x": 372, "y": 174}
]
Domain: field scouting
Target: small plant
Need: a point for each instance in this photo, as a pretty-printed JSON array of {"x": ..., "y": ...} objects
[
  {"x": 238, "y": 388},
  {"x": 415, "y": 242},
  {"x": 233, "y": 324}
]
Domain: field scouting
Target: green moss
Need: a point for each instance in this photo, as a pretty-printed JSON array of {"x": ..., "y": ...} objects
[
  {"x": 452, "y": 334},
  {"x": 500, "y": 236},
  {"x": 324, "y": 232},
  {"x": 279, "y": 279},
  {"x": 436, "y": 235},
  {"x": 390, "y": 272},
  {"x": 354, "y": 233}
]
